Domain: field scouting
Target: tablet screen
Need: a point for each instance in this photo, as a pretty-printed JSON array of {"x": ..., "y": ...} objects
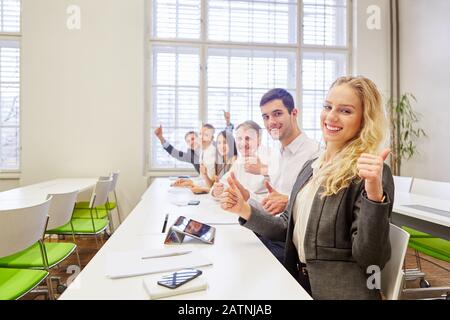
[{"x": 194, "y": 228}]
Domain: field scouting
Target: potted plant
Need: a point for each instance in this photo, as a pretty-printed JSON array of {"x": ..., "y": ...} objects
[{"x": 404, "y": 130}]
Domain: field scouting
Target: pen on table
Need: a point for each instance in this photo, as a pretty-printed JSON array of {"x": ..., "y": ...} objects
[
  {"x": 165, "y": 223},
  {"x": 173, "y": 254}
]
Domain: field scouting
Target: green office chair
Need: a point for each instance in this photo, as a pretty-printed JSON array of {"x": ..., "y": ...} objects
[
  {"x": 21, "y": 247},
  {"x": 82, "y": 208},
  {"x": 15, "y": 283},
  {"x": 92, "y": 223}
]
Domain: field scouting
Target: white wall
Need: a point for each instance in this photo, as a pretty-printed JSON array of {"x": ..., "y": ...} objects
[
  {"x": 82, "y": 103},
  {"x": 371, "y": 56},
  {"x": 425, "y": 72}
]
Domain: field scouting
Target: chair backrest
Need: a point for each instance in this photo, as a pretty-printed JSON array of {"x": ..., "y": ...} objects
[
  {"x": 430, "y": 188},
  {"x": 392, "y": 273},
  {"x": 101, "y": 191},
  {"x": 115, "y": 177},
  {"x": 21, "y": 228},
  {"x": 403, "y": 184},
  {"x": 61, "y": 209}
]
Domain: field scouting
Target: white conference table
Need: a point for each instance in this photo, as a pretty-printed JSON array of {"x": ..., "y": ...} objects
[
  {"x": 432, "y": 217},
  {"x": 36, "y": 193},
  {"x": 243, "y": 268}
]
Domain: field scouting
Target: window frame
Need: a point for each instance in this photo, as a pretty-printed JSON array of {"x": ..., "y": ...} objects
[
  {"x": 204, "y": 44},
  {"x": 7, "y": 174}
]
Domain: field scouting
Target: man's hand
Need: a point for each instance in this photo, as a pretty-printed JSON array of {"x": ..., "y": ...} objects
[
  {"x": 217, "y": 188},
  {"x": 254, "y": 165},
  {"x": 275, "y": 202},
  {"x": 159, "y": 134}
]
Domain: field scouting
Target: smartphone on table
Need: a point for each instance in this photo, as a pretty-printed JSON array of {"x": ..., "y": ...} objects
[{"x": 178, "y": 278}]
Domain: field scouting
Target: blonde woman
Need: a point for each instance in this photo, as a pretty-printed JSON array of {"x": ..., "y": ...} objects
[{"x": 336, "y": 224}]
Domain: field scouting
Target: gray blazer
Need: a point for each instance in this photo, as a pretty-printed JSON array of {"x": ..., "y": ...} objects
[{"x": 345, "y": 234}]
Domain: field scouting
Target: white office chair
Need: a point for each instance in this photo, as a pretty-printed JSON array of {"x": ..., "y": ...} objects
[
  {"x": 22, "y": 228},
  {"x": 109, "y": 206},
  {"x": 392, "y": 274},
  {"x": 403, "y": 184},
  {"x": 60, "y": 213},
  {"x": 435, "y": 189},
  {"x": 115, "y": 177},
  {"x": 99, "y": 198}
]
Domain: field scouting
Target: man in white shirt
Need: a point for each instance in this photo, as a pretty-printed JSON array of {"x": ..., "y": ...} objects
[
  {"x": 280, "y": 119},
  {"x": 248, "y": 142}
]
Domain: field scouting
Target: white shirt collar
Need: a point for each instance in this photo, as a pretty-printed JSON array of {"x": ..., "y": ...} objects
[{"x": 295, "y": 144}]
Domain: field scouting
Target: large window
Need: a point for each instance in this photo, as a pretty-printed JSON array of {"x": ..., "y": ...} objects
[
  {"x": 9, "y": 85},
  {"x": 208, "y": 56}
]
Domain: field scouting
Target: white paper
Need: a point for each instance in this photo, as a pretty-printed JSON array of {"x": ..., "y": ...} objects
[{"x": 130, "y": 264}]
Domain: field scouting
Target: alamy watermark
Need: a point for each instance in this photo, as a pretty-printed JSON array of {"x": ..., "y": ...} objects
[{"x": 73, "y": 21}]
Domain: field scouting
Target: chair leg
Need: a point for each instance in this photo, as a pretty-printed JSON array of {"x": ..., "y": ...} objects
[
  {"x": 76, "y": 249},
  {"x": 117, "y": 208},
  {"x": 96, "y": 242},
  {"x": 51, "y": 295}
]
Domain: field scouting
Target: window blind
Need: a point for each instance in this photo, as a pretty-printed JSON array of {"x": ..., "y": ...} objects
[
  {"x": 176, "y": 19},
  {"x": 324, "y": 22},
  {"x": 175, "y": 95},
  {"x": 319, "y": 71},
  {"x": 10, "y": 16},
  {"x": 238, "y": 78},
  {"x": 9, "y": 105},
  {"x": 257, "y": 21}
]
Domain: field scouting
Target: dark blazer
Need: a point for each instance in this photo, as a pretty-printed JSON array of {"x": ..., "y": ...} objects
[
  {"x": 345, "y": 234},
  {"x": 189, "y": 156}
]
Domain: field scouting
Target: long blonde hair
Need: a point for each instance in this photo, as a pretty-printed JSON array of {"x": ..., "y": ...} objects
[{"x": 342, "y": 170}]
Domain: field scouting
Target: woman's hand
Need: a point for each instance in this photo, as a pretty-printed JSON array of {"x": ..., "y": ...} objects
[
  {"x": 275, "y": 202},
  {"x": 232, "y": 200},
  {"x": 370, "y": 168}
]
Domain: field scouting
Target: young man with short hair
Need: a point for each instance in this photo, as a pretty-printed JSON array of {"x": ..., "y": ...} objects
[{"x": 280, "y": 119}]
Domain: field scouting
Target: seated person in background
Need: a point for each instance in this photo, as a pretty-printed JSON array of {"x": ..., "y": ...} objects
[
  {"x": 225, "y": 157},
  {"x": 336, "y": 224},
  {"x": 208, "y": 150},
  {"x": 248, "y": 141},
  {"x": 206, "y": 154},
  {"x": 192, "y": 155}
]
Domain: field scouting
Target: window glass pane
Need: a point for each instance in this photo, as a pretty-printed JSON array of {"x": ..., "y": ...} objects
[
  {"x": 318, "y": 73},
  {"x": 261, "y": 21},
  {"x": 175, "y": 99},
  {"x": 9, "y": 104},
  {"x": 325, "y": 22},
  {"x": 10, "y": 16},
  {"x": 176, "y": 19},
  {"x": 238, "y": 78}
]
